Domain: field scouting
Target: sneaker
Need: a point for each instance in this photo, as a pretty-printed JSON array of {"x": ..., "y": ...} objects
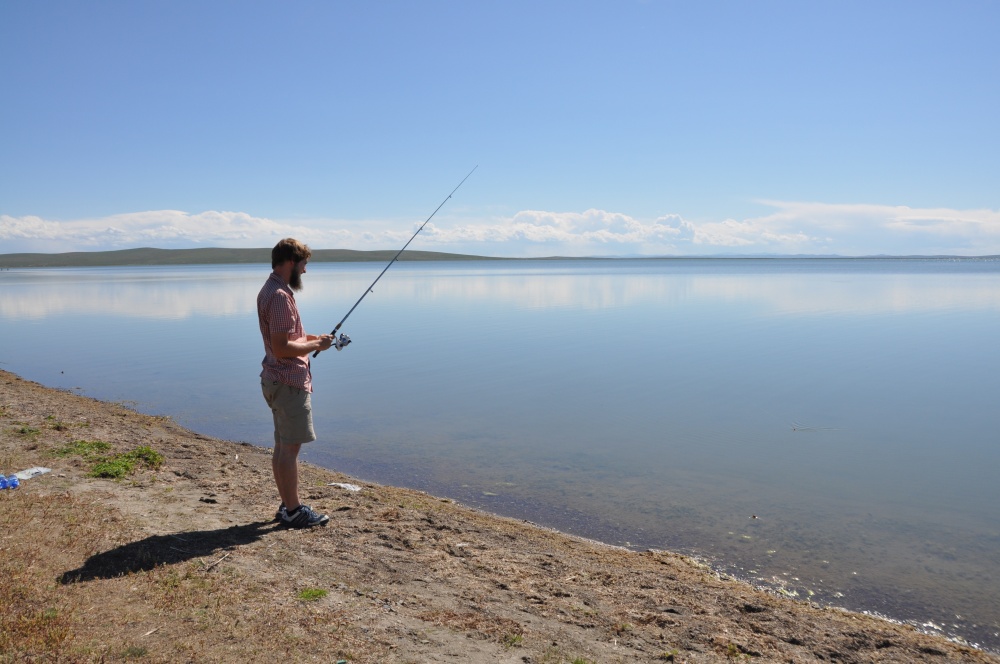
[
  {"x": 281, "y": 512},
  {"x": 303, "y": 517}
]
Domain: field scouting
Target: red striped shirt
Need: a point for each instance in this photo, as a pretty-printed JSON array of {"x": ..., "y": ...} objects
[{"x": 277, "y": 312}]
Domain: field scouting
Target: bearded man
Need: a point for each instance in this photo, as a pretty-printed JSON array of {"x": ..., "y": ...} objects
[{"x": 286, "y": 379}]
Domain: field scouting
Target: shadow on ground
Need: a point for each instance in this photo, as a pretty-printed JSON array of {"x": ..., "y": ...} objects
[{"x": 148, "y": 553}]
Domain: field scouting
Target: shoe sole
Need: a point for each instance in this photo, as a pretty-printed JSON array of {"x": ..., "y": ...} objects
[
  {"x": 325, "y": 519},
  {"x": 288, "y": 524}
]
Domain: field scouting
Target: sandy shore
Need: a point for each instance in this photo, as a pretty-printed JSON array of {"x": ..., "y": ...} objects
[{"x": 183, "y": 563}]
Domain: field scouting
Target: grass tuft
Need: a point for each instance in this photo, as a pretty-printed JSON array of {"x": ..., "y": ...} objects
[
  {"x": 135, "y": 652},
  {"x": 512, "y": 640},
  {"x": 58, "y": 425},
  {"x": 312, "y": 594},
  {"x": 27, "y": 432}
]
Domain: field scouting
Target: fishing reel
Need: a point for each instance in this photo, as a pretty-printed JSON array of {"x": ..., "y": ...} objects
[{"x": 338, "y": 342}]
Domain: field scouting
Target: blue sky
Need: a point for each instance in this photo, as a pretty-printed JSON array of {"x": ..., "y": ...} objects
[{"x": 598, "y": 128}]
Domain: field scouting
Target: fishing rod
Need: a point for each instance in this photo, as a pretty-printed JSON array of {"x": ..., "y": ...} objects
[{"x": 344, "y": 339}]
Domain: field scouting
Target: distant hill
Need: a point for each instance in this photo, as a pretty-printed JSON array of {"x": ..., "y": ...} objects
[
  {"x": 219, "y": 256},
  {"x": 212, "y": 256}
]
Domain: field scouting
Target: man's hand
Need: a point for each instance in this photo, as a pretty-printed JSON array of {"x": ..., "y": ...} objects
[{"x": 325, "y": 341}]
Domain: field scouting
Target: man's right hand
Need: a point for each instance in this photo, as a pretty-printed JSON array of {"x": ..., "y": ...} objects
[{"x": 325, "y": 341}]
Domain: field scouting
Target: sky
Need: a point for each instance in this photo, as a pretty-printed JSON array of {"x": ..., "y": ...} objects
[{"x": 612, "y": 128}]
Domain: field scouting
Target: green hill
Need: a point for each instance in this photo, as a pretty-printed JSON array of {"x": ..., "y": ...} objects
[{"x": 210, "y": 256}]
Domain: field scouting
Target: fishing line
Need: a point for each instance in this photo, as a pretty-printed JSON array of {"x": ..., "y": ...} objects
[{"x": 344, "y": 339}]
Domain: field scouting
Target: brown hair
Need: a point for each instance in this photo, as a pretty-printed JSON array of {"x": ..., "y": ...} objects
[{"x": 289, "y": 249}]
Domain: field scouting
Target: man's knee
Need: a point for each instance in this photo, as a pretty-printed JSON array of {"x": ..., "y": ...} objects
[{"x": 287, "y": 451}]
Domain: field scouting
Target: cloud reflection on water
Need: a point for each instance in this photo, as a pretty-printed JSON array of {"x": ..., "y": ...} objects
[{"x": 183, "y": 292}]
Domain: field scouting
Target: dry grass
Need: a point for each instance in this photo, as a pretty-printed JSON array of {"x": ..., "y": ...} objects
[
  {"x": 40, "y": 619},
  {"x": 489, "y": 626},
  {"x": 129, "y": 607}
]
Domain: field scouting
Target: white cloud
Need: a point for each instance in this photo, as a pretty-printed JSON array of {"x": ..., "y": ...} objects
[
  {"x": 593, "y": 232},
  {"x": 809, "y": 228},
  {"x": 792, "y": 227},
  {"x": 885, "y": 229},
  {"x": 157, "y": 228}
]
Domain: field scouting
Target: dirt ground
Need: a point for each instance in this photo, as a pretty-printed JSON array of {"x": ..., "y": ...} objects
[{"x": 184, "y": 563}]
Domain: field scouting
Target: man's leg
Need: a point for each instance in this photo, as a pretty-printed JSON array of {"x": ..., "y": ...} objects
[
  {"x": 285, "y": 465},
  {"x": 292, "y": 409},
  {"x": 286, "y": 476}
]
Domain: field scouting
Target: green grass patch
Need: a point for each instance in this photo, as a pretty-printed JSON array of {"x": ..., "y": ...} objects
[
  {"x": 115, "y": 466},
  {"x": 122, "y": 465},
  {"x": 90, "y": 450},
  {"x": 27, "y": 432},
  {"x": 312, "y": 594}
]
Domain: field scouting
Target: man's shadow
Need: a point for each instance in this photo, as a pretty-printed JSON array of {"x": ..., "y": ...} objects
[{"x": 148, "y": 553}]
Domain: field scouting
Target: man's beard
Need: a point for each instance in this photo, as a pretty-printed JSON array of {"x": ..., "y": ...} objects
[{"x": 295, "y": 281}]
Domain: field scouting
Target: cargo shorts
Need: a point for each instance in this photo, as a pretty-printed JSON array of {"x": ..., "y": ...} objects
[{"x": 292, "y": 411}]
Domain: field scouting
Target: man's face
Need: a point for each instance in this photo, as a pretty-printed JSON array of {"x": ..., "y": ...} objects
[{"x": 295, "y": 282}]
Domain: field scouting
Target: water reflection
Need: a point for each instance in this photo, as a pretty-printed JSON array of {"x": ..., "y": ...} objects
[
  {"x": 183, "y": 292},
  {"x": 131, "y": 293}
]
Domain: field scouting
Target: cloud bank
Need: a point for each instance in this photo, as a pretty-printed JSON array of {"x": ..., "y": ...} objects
[{"x": 790, "y": 228}]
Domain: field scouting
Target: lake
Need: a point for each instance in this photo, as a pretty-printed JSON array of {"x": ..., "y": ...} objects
[{"x": 827, "y": 428}]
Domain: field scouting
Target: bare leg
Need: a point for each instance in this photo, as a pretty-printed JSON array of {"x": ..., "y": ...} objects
[{"x": 285, "y": 465}]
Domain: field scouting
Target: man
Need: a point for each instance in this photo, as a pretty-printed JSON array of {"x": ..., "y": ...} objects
[{"x": 286, "y": 379}]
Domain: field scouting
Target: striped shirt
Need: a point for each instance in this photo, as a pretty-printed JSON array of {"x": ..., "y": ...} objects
[{"x": 277, "y": 312}]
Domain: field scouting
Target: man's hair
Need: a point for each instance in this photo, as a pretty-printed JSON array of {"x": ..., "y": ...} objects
[{"x": 289, "y": 249}]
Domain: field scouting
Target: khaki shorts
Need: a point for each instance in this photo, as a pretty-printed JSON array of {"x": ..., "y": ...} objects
[{"x": 292, "y": 410}]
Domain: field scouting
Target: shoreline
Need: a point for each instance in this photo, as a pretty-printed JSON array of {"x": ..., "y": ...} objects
[
  {"x": 182, "y": 561},
  {"x": 151, "y": 256}
]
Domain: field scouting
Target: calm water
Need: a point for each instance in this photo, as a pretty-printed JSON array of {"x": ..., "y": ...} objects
[{"x": 849, "y": 405}]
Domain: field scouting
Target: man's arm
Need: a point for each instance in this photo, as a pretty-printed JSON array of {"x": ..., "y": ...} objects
[{"x": 284, "y": 347}]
